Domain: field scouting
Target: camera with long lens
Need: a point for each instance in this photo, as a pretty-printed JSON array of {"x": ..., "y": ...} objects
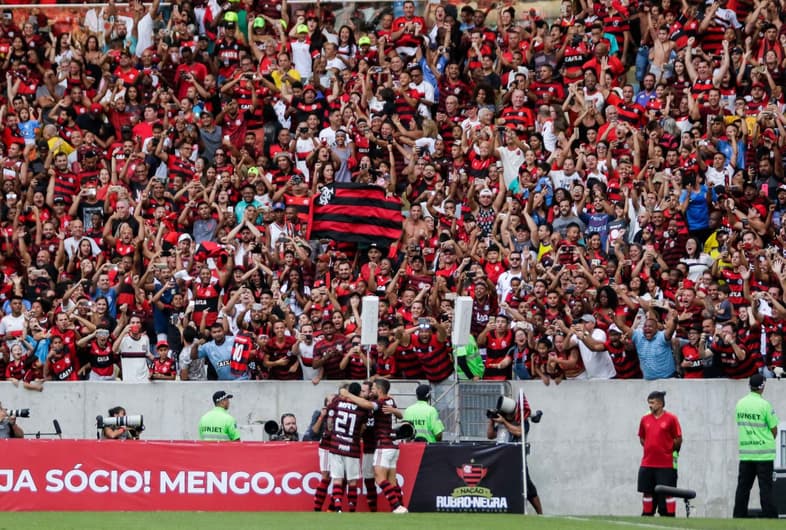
[
  {"x": 506, "y": 407},
  {"x": 404, "y": 431},
  {"x": 131, "y": 421},
  {"x": 18, "y": 413},
  {"x": 272, "y": 431}
]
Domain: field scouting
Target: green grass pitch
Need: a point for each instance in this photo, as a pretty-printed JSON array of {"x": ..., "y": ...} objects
[{"x": 364, "y": 521}]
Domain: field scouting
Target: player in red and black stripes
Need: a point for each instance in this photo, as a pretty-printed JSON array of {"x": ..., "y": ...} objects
[
  {"x": 383, "y": 408},
  {"x": 324, "y": 455},
  {"x": 346, "y": 421}
]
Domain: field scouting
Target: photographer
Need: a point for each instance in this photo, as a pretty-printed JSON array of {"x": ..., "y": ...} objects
[
  {"x": 287, "y": 431},
  {"x": 8, "y": 426},
  {"x": 119, "y": 433},
  {"x": 505, "y": 427}
]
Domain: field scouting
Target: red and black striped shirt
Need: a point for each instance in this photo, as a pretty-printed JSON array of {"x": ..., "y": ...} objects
[
  {"x": 434, "y": 358},
  {"x": 348, "y": 421}
]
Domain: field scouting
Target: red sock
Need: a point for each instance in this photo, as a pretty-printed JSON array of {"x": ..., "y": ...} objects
[
  {"x": 399, "y": 494},
  {"x": 338, "y": 496},
  {"x": 390, "y": 493},
  {"x": 321, "y": 493},
  {"x": 671, "y": 506},
  {"x": 371, "y": 493},
  {"x": 647, "y": 506},
  {"x": 352, "y": 498}
]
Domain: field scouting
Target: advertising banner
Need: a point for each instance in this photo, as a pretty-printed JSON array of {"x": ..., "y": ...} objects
[
  {"x": 483, "y": 477},
  {"x": 106, "y": 475},
  {"x": 110, "y": 475}
]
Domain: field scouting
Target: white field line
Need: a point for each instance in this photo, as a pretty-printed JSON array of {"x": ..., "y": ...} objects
[{"x": 619, "y": 523}]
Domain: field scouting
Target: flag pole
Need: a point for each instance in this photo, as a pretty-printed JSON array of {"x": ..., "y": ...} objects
[{"x": 523, "y": 449}]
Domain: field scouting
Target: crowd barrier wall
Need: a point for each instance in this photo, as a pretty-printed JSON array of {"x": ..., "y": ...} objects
[{"x": 585, "y": 451}]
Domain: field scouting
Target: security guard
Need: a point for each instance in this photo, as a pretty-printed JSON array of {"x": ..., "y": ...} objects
[
  {"x": 424, "y": 417},
  {"x": 218, "y": 425},
  {"x": 757, "y": 426}
]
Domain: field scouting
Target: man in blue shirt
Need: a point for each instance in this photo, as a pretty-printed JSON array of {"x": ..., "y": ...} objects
[
  {"x": 218, "y": 352},
  {"x": 653, "y": 346}
]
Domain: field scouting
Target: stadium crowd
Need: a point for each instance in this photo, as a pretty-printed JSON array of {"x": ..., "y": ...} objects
[{"x": 607, "y": 187}]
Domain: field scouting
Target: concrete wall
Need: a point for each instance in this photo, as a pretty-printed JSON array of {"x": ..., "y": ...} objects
[{"x": 585, "y": 452}]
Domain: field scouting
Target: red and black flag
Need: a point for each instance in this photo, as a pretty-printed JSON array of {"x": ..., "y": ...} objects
[
  {"x": 208, "y": 249},
  {"x": 355, "y": 213}
]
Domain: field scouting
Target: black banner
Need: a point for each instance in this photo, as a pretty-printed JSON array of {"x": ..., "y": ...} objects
[{"x": 481, "y": 477}]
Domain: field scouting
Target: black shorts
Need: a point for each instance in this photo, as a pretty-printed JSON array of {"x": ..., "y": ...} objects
[{"x": 649, "y": 477}]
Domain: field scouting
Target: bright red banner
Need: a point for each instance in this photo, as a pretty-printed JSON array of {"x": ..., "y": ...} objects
[{"x": 106, "y": 475}]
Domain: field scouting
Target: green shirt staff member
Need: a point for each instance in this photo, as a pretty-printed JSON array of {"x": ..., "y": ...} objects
[
  {"x": 424, "y": 417},
  {"x": 218, "y": 425},
  {"x": 758, "y": 426}
]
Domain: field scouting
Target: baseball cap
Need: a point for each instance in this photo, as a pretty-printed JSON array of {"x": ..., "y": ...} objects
[
  {"x": 614, "y": 329},
  {"x": 59, "y": 198},
  {"x": 301, "y": 28},
  {"x": 757, "y": 381},
  {"x": 259, "y": 22},
  {"x": 279, "y": 206},
  {"x": 184, "y": 237},
  {"x": 101, "y": 332},
  {"x": 162, "y": 344},
  {"x": 221, "y": 396},
  {"x": 309, "y": 87},
  {"x": 423, "y": 392},
  {"x": 486, "y": 192},
  {"x": 252, "y": 171},
  {"x": 230, "y": 16},
  {"x": 364, "y": 40},
  {"x": 587, "y": 318}
]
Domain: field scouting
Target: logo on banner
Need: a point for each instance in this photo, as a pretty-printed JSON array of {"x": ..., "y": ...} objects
[{"x": 472, "y": 496}]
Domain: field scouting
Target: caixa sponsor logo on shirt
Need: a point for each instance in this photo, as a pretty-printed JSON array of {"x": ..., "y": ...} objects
[{"x": 472, "y": 497}]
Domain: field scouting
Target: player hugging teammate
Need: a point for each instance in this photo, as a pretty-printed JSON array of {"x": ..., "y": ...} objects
[{"x": 354, "y": 411}]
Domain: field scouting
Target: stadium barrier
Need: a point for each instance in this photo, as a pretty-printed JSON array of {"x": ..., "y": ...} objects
[
  {"x": 88, "y": 475},
  {"x": 585, "y": 452}
]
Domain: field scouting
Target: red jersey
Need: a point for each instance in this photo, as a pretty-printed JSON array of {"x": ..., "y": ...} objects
[
  {"x": 658, "y": 435},
  {"x": 275, "y": 352},
  {"x": 497, "y": 349},
  {"x": 242, "y": 354},
  {"x": 102, "y": 360},
  {"x": 15, "y": 369},
  {"x": 348, "y": 422},
  {"x": 332, "y": 351},
  {"x": 162, "y": 366},
  {"x": 696, "y": 368},
  {"x": 434, "y": 357},
  {"x": 383, "y": 424},
  {"x": 63, "y": 367}
]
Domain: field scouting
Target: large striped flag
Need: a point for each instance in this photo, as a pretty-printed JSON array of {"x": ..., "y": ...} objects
[{"x": 355, "y": 213}]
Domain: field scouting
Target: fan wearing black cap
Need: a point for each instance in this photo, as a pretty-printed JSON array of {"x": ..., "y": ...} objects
[
  {"x": 757, "y": 425},
  {"x": 660, "y": 435},
  {"x": 424, "y": 417},
  {"x": 217, "y": 425}
]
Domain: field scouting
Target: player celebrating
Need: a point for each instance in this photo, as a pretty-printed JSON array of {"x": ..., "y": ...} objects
[
  {"x": 386, "y": 453},
  {"x": 346, "y": 421}
]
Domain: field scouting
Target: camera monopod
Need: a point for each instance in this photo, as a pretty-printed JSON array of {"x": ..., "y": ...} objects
[{"x": 58, "y": 431}]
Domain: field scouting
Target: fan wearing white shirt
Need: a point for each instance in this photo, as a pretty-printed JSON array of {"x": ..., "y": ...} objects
[{"x": 719, "y": 173}]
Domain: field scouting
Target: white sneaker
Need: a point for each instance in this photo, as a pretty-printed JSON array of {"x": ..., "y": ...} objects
[{"x": 401, "y": 509}]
